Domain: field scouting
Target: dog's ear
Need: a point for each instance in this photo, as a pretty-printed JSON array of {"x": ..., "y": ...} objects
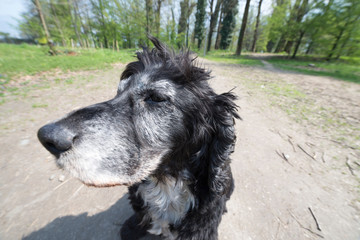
[{"x": 222, "y": 143}]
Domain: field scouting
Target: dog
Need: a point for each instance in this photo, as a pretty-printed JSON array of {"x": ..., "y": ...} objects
[{"x": 167, "y": 135}]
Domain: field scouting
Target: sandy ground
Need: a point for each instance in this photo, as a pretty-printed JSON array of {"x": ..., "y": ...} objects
[{"x": 296, "y": 171}]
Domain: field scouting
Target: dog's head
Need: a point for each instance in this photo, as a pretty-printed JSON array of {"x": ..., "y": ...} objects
[{"x": 164, "y": 108}]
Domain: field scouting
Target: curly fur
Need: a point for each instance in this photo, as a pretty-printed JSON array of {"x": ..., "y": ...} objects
[
  {"x": 205, "y": 153},
  {"x": 167, "y": 134}
]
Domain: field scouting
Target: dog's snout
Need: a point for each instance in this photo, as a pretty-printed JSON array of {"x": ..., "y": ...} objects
[{"x": 56, "y": 138}]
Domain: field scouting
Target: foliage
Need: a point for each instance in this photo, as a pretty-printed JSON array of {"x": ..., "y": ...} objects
[
  {"x": 330, "y": 27},
  {"x": 230, "y": 9},
  {"x": 200, "y": 21}
]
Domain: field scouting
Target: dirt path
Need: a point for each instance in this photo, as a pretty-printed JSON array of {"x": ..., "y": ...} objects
[{"x": 297, "y": 149}]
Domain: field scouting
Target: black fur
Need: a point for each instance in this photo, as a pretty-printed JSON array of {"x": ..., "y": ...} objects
[{"x": 203, "y": 150}]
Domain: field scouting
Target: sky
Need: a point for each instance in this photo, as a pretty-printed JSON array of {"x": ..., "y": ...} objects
[{"x": 10, "y": 11}]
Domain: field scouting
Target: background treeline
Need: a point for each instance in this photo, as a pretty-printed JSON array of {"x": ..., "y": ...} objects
[{"x": 330, "y": 28}]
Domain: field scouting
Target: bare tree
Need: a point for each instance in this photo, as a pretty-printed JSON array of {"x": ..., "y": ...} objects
[
  {"x": 213, "y": 20},
  {"x": 47, "y": 34},
  {"x": 157, "y": 17},
  {"x": 149, "y": 17},
  {"x": 256, "y": 27},
  {"x": 243, "y": 27}
]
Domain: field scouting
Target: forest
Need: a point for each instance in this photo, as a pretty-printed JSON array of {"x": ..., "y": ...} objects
[{"x": 328, "y": 28}]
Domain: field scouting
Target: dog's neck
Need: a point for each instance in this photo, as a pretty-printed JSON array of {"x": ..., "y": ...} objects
[{"x": 167, "y": 201}]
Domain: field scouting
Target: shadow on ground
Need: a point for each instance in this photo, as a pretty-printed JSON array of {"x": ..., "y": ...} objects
[{"x": 105, "y": 225}]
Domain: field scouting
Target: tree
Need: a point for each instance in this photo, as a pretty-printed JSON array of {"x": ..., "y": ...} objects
[
  {"x": 157, "y": 18},
  {"x": 294, "y": 25},
  {"x": 219, "y": 27},
  {"x": 101, "y": 21},
  {"x": 149, "y": 17},
  {"x": 183, "y": 29},
  {"x": 256, "y": 26},
  {"x": 199, "y": 29},
  {"x": 230, "y": 9},
  {"x": 243, "y": 27},
  {"x": 74, "y": 18},
  {"x": 57, "y": 22},
  {"x": 47, "y": 34},
  {"x": 30, "y": 24},
  {"x": 302, "y": 32},
  {"x": 347, "y": 14},
  {"x": 213, "y": 20},
  {"x": 276, "y": 25},
  {"x": 317, "y": 26}
]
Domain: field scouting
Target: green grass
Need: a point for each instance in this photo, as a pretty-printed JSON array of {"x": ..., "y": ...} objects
[
  {"x": 27, "y": 59},
  {"x": 229, "y": 57},
  {"x": 347, "y": 69},
  {"x": 39, "y": 105}
]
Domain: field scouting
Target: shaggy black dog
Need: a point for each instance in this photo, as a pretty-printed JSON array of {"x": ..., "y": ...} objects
[{"x": 167, "y": 135}]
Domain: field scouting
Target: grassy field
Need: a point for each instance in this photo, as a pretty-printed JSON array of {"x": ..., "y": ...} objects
[
  {"x": 16, "y": 60},
  {"x": 347, "y": 69},
  {"x": 229, "y": 57},
  {"x": 29, "y": 59}
]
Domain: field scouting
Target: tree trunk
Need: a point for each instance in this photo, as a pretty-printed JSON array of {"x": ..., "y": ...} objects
[
  {"x": 187, "y": 33},
  {"x": 157, "y": 18},
  {"x": 243, "y": 27},
  {"x": 213, "y": 20},
  {"x": 302, "y": 32},
  {"x": 173, "y": 25},
  {"x": 269, "y": 46},
  {"x": 103, "y": 24},
  {"x": 218, "y": 36},
  {"x": 281, "y": 43},
  {"x": 299, "y": 12},
  {"x": 76, "y": 14},
  {"x": 47, "y": 34},
  {"x": 347, "y": 38},
  {"x": 70, "y": 3},
  {"x": 190, "y": 9},
  {"x": 149, "y": 18},
  {"x": 309, "y": 47},
  {"x": 90, "y": 27},
  {"x": 337, "y": 40},
  {"x": 342, "y": 46},
  {"x": 256, "y": 27},
  {"x": 199, "y": 22},
  {"x": 57, "y": 23},
  {"x": 288, "y": 46}
]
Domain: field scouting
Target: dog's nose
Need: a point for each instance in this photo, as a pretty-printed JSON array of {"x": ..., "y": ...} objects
[{"x": 56, "y": 138}]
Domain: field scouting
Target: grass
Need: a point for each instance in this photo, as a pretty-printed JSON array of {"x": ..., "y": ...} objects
[
  {"x": 27, "y": 59},
  {"x": 19, "y": 61},
  {"x": 39, "y": 105},
  {"x": 229, "y": 57},
  {"x": 347, "y": 69}
]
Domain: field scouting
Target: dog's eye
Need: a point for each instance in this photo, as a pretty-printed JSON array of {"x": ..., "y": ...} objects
[{"x": 155, "y": 99}]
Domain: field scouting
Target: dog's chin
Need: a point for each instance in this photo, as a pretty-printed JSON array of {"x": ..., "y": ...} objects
[
  {"x": 101, "y": 182},
  {"x": 91, "y": 176}
]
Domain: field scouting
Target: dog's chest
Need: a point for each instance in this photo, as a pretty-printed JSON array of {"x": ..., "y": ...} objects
[{"x": 167, "y": 202}]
